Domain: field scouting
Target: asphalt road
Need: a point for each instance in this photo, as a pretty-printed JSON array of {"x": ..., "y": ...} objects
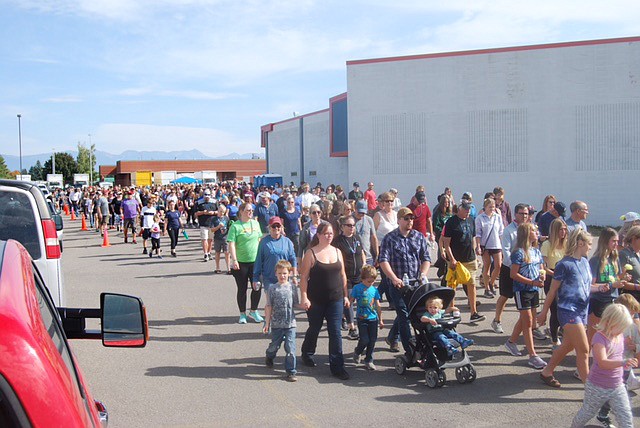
[{"x": 202, "y": 369}]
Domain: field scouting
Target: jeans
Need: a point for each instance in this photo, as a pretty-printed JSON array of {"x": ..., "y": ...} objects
[
  {"x": 368, "y": 332},
  {"x": 442, "y": 338},
  {"x": 317, "y": 313},
  {"x": 401, "y": 324},
  {"x": 288, "y": 336}
]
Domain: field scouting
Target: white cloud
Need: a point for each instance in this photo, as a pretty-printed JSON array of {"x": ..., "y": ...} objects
[
  {"x": 189, "y": 94},
  {"x": 63, "y": 99},
  {"x": 118, "y": 137}
]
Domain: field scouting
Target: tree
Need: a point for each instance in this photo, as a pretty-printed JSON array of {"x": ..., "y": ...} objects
[
  {"x": 36, "y": 172},
  {"x": 65, "y": 165},
  {"x": 4, "y": 171},
  {"x": 87, "y": 159}
]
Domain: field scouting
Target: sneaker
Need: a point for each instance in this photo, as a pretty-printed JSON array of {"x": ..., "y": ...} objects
[
  {"x": 576, "y": 374},
  {"x": 497, "y": 327},
  {"x": 536, "y": 362},
  {"x": 370, "y": 366},
  {"x": 134, "y": 241},
  {"x": 343, "y": 375},
  {"x": 308, "y": 361},
  {"x": 605, "y": 421},
  {"x": 357, "y": 358},
  {"x": 268, "y": 361},
  {"x": 174, "y": 254},
  {"x": 206, "y": 258},
  {"x": 290, "y": 377},
  {"x": 476, "y": 317},
  {"x": 144, "y": 250},
  {"x": 538, "y": 334},
  {"x": 487, "y": 294},
  {"x": 393, "y": 346},
  {"x": 159, "y": 256},
  {"x": 210, "y": 256},
  {"x": 353, "y": 335},
  {"x": 254, "y": 315},
  {"x": 512, "y": 348},
  {"x": 243, "y": 319},
  {"x": 345, "y": 325},
  {"x": 466, "y": 343}
]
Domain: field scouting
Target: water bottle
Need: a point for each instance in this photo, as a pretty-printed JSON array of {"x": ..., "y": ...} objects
[
  {"x": 405, "y": 280},
  {"x": 257, "y": 286}
]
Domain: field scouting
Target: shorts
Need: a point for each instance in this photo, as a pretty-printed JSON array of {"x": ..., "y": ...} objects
[
  {"x": 472, "y": 267},
  {"x": 597, "y": 307},
  {"x": 105, "y": 220},
  {"x": 506, "y": 283},
  {"x": 570, "y": 317},
  {"x": 206, "y": 234},
  {"x": 526, "y": 300},
  {"x": 146, "y": 233},
  {"x": 220, "y": 246},
  {"x": 130, "y": 223},
  {"x": 490, "y": 251}
]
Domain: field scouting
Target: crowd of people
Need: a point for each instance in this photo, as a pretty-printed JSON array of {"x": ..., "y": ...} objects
[{"x": 334, "y": 246}]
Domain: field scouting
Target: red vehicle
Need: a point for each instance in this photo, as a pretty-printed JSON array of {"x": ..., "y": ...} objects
[{"x": 41, "y": 384}]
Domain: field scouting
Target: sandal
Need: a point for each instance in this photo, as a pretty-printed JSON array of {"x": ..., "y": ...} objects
[
  {"x": 550, "y": 381},
  {"x": 217, "y": 271}
]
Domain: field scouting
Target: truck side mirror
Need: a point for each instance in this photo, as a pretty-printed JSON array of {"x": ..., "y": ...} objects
[{"x": 124, "y": 321}]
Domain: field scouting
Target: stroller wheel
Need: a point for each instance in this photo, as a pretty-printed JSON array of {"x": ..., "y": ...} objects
[
  {"x": 472, "y": 373},
  {"x": 442, "y": 378},
  {"x": 401, "y": 364},
  {"x": 462, "y": 374},
  {"x": 431, "y": 377}
]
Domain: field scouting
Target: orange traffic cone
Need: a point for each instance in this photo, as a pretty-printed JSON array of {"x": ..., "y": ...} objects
[
  {"x": 105, "y": 240},
  {"x": 84, "y": 223},
  {"x": 65, "y": 208},
  {"x": 73, "y": 215}
]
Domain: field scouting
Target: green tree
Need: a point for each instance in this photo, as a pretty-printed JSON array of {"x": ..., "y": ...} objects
[
  {"x": 36, "y": 172},
  {"x": 65, "y": 165},
  {"x": 4, "y": 171},
  {"x": 86, "y": 159}
]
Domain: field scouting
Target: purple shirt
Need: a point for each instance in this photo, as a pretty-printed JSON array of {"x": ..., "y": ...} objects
[
  {"x": 130, "y": 208},
  {"x": 609, "y": 379}
]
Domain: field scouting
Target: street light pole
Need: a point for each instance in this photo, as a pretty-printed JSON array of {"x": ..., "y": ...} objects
[
  {"x": 90, "y": 163},
  {"x": 53, "y": 161},
  {"x": 20, "y": 143}
]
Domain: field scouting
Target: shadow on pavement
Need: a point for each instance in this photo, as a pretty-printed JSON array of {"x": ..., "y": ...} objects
[{"x": 195, "y": 321}]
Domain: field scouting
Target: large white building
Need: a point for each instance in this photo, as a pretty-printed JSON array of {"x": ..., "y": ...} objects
[{"x": 561, "y": 118}]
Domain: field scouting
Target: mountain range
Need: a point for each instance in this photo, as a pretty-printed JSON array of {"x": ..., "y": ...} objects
[{"x": 104, "y": 158}]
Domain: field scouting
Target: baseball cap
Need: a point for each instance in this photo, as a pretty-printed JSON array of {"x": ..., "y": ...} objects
[
  {"x": 560, "y": 207},
  {"x": 468, "y": 196},
  {"x": 465, "y": 205},
  {"x": 275, "y": 220},
  {"x": 421, "y": 197},
  {"x": 629, "y": 217},
  {"x": 404, "y": 211},
  {"x": 361, "y": 207},
  {"x": 356, "y": 184},
  {"x": 207, "y": 192}
]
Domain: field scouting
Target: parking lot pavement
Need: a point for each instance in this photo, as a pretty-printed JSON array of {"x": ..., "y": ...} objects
[{"x": 202, "y": 369}]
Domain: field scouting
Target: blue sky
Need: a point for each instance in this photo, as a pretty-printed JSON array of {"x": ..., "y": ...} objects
[{"x": 206, "y": 74}]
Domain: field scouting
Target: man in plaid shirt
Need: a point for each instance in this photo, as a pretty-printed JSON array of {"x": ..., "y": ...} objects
[{"x": 403, "y": 250}]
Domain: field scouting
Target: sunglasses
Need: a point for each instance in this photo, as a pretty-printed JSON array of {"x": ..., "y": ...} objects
[
  {"x": 386, "y": 200},
  {"x": 276, "y": 226},
  {"x": 349, "y": 225},
  {"x": 315, "y": 212},
  {"x": 408, "y": 218}
]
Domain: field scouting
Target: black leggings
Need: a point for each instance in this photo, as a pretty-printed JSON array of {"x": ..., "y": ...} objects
[
  {"x": 554, "y": 325},
  {"x": 242, "y": 275},
  {"x": 173, "y": 235}
]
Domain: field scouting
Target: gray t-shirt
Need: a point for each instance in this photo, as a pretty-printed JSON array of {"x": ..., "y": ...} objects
[
  {"x": 103, "y": 206},
  {"x": 364, "y": 228},
  {"x": 282, "y": 298},
  {"x": 573, "y": 225}
]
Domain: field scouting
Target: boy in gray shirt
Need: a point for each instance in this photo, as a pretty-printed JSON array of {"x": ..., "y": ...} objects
[{"x": 280, "y": 318}]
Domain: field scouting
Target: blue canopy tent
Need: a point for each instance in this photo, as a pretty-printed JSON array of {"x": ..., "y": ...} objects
[{"x": 186, "y": 180}]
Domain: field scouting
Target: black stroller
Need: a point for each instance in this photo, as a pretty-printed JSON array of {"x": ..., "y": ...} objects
[{"x": 424, "y": 351}]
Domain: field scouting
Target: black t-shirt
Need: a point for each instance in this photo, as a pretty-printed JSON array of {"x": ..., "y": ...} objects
[
  {"x": 351, "y": 249},
  {"x": 206, "y": 220},
  {"x": 356, "y": 195},
  {"x": 462, "y": 233}
]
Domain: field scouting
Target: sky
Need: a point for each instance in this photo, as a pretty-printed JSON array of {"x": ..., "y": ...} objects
[{"x": 206, "y": 74}]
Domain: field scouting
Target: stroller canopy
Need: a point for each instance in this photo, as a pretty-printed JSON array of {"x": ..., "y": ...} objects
[{"x": 421, "y": 294}]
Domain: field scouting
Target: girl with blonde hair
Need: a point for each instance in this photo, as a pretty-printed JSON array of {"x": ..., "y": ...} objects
[
  {"x": 604, "y": 383},
  {"x": 553, "y": 250}
]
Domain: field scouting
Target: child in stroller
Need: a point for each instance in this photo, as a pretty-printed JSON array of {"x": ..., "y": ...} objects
[
  {"x": 439, "y": 333},
  {"x": 426, "y": 352}
]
